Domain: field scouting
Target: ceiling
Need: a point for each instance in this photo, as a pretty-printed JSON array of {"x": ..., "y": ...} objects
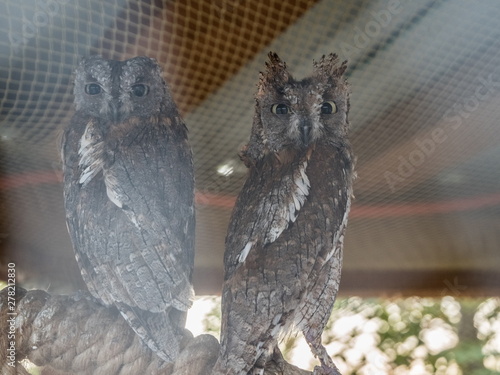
[{"x": 425, "y": 110}]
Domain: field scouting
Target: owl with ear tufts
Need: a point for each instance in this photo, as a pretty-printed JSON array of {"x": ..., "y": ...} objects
[
  {"x": 129, "y": 193},
  {"x": 283, "y": 254}
]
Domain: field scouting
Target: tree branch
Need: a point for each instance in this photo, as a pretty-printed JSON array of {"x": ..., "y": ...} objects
[{"x": 76, "y": 335}]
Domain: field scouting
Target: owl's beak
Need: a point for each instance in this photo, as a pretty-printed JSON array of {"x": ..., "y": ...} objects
[
  {"x": 305, "y": 131},
  {"x": 114, "y": 107}
]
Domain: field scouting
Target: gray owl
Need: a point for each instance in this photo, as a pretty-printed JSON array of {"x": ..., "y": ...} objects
[
  {"x": 283, "y": 252},
  {"x": 129, "y": 191}
]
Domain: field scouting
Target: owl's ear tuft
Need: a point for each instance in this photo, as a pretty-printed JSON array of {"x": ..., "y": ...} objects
[
  {"x": 328, "y": 66},
  {"x": 275, "y": 62},
  {"x": 276, "y": 73}
]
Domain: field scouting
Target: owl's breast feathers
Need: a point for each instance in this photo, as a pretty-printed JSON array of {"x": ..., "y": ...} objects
[{"x": 288, "y": 197}]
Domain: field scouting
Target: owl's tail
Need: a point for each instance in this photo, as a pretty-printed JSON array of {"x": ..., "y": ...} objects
[{"x": 161, "y": 332}]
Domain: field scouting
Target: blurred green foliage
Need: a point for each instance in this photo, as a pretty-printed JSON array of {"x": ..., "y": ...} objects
[{"x": 410, "y": 335}]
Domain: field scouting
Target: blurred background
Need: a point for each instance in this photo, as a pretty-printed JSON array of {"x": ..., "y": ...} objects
[{"x": 425, "y": 109}]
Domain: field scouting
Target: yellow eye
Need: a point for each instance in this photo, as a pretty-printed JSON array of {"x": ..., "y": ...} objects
[
  {"x": 328, "y": 108},
  {"x": 279, "y": 109}
]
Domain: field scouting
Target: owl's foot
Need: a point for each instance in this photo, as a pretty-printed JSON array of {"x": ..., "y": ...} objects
[
  {"x": 327, "y": 367},
  {"x": 325, "y": 370}
]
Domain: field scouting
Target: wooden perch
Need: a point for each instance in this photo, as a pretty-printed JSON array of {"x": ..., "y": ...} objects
[{"x": 76, "y": 335}]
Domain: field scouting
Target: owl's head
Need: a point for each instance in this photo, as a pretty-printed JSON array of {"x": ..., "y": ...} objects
[
  {"x": 116, "y": 90},
  {"x": 295, "y": 114}
]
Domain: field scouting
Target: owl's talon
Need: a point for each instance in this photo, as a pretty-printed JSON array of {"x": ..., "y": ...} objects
[{"x": 323, "y": 370}]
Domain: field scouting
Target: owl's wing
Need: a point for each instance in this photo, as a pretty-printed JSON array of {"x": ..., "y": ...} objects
[
  {"x": 150, "y": 181},
  {"x": 269, "y": 202}
]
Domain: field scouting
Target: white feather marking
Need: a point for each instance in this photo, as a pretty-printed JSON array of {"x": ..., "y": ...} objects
[
  {"x": 296, "y": 202},
  {"x": 117, "y": 197},
  {"x": 276, "y": 330},
  {"x": 111, "y": 191},
  {"x": 330, "y": 254},
  {"x": 90, "y": 153},
  {"x": 89, "y": 171},
  {"x": 245, "y": 251},
  {"x": 86, "y": 139},
  {"x": 302, "y": 186},
  {"x": 341, "y": 240},
  {"x": 86, "y": 176},
  {"x": 299, "y": 190},
  {"x": 304, "y": 177},
  {"x": 293, "y": 206},
  {"x": 113, "y": 197},
  {"x": 338, "y": 239},
  {"x": 277, "y": 318},
  {"x": 274, "y": 233},
  {"x": 134, "y": 221}
]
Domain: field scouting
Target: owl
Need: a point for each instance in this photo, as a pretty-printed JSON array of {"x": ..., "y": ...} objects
[
  {"x": 283, "y": 253},
  {"x": 129, "y": 196}
]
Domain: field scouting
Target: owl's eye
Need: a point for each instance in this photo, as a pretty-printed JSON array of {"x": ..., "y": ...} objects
[
  {"x": 140, "y": 90},
  {"x": 279, "y": 109},
  {"x": 328, "y": 108},
  {"x": 93, "y": 89}
]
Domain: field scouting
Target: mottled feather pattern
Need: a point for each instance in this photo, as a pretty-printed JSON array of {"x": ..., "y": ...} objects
[
  {"x": 283, "y": 255},
  {"x": 270, "y": 226},
  {"x": 129, "y": 196}
]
